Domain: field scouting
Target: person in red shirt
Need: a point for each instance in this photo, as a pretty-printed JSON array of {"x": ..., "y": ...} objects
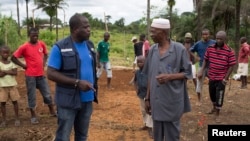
[
  {"x": 221, "y": 60},
  {"x": 243, "y": 62},
  {"x": 35, "y": 55},
  {"x": 145, "y": 46}
]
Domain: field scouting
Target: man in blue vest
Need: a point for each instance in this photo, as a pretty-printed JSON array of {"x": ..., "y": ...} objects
[{"x": 72, "y": 66}]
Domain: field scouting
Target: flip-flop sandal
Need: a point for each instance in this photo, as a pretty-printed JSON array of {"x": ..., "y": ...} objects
[
  {"x": 217, "y": 120},
  {"x": 53, "y": 115},
  {"x": 17, "y": 122},
  {"x": 211, "y": 112},
  {"x": 34, "y": 120},
  {"x": 3, "y": 124}
]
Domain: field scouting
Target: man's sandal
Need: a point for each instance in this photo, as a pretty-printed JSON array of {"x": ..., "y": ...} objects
[{"x": 212, "y": 111}]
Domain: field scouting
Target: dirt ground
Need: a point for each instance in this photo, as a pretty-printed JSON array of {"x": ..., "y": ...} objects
[{"x": 117, "y": 117}]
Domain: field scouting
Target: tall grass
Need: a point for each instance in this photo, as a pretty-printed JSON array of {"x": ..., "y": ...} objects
[{"x": 121, "y": 48}]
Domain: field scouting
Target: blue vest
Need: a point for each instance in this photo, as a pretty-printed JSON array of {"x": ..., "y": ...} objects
[{"x": 66, "y": 95}]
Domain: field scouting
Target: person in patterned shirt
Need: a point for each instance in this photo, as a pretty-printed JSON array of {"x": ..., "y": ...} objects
[{"x": 221, "y": 60}]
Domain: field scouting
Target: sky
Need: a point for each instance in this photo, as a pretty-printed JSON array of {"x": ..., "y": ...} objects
[{"x": 130, "y": 10}]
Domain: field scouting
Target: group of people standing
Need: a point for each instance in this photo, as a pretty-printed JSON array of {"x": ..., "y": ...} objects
[
  {"x": 72, "y": 65},
  {"x": 160, "y": 82},
  {"x": 35, "y": 55},
  {"x": 216, "y": 62},
  {"x": 167, "y": 67}
]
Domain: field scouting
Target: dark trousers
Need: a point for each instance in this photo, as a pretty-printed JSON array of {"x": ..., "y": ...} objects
[{"x": 216, "y": 92}]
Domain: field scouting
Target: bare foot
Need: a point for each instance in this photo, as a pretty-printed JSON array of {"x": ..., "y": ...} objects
[{"x": 198, "y": 104}]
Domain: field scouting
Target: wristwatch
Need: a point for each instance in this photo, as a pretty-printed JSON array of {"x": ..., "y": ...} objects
[{"x": 76, "y": 83}]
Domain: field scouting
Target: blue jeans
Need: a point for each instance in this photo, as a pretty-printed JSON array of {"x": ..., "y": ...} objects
[
  {"x": 40, "y": 83},
  {"x": 79, "y": 118}
]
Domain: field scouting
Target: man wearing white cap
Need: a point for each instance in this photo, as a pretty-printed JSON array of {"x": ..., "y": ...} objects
[{"x": 167, "y": 66}]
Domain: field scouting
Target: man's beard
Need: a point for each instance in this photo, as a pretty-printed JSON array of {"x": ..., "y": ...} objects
[{"x": 219, "y": 45}]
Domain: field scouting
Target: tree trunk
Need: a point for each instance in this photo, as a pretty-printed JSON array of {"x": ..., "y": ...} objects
[
  {"x": 199, "y": 29},
  {"x": 170, "y": 20},
  {"x": 237, "y": 26},
  {"x": 18, "y": 18},
  {"x": 148, "y": 18},
  {"x": 27, "y": 16},
  {"x": 50, "y": 24},
  {"x": 237, "y": 29}
]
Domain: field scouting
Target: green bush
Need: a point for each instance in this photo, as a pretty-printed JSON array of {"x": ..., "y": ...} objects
[
  {"x": 48, "y": 37},
  {"x": 8, "y": 33},
  {"x": 116, "y": 50}
]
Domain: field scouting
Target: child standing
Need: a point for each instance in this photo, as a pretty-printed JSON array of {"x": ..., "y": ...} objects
[
  {"x": 8, "y": 71},
  {"x": 140, "y": 82}
]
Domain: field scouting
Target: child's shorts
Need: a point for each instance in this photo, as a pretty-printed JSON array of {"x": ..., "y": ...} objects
[{"x": 7, "y": 93}]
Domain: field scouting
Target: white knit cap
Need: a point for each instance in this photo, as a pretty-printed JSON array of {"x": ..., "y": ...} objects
[
  {"x": 188, "y": 35},
  {"x": 161, "y": 23},
  {"x": 134, "y": 38}
]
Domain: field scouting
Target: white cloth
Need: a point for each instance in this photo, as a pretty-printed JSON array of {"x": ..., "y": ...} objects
[
  {"x": 243, "y": 69},
  {"x": 236, "y": 76},
  {"x": 194, "y": 71},
  {"x": 135, "y": 61},
  {"x": 147, "y": 119}
]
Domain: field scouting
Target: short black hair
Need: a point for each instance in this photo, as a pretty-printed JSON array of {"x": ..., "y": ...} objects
[
  {"x": 142, "y": 37},
  {"x": 243, "y": 39},
  {"x": 74, "y": 21},
  {"x": 205, "y": 30},
  {"x": 33, "y": 29},
  {"x": 106, "y": 33},
  {"x": 4, "y": 47}
]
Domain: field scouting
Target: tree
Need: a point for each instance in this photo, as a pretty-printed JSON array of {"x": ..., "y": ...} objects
[
  {"x": 56, "y": 21},
  {"x": 222, "y": 15},
  {"x": 108, "y": 17},
  {"x": 198, "y": 8},
  {"x": 48, "y": 7},
  {"x": 88, "y": 16},
  {"x": 8, "y": 33},
  {"x": 171, "y": 4},
  {"x": 120, "y": 23},
  {"x": 237, "y": 25},
  {"x": 18, "y": 18},
  {"x": 183, "y": 24},
  {"x": 27, "y": 14},
  {"x": 148, "y": 17},
  {"x": 59, "y": 5},
  {"x": 245, "y": 14},
  {"x": 51, "y": 7}
]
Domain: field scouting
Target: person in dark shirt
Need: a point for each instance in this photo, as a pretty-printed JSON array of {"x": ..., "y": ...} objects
[
  {"x": 140, "y": 82},
  {"x": 137, "y": 52}
]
